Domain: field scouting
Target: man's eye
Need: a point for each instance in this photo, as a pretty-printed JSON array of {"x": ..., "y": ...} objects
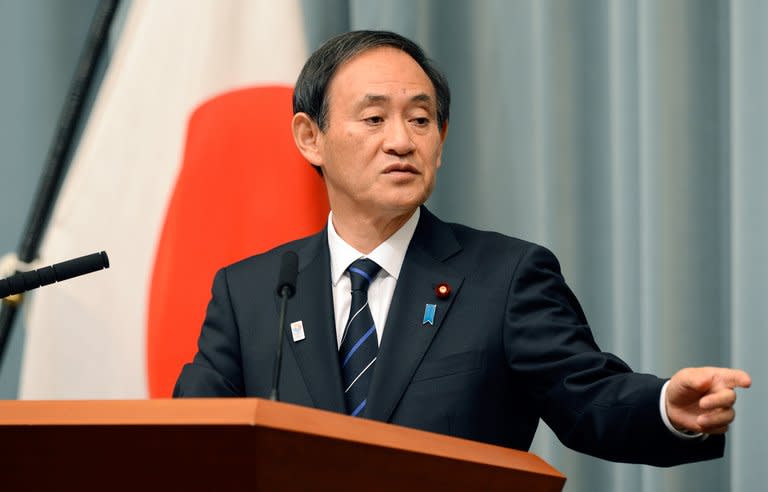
[
  {"x": 424, "y": 121},
  {"x": 375, "y": 120}
]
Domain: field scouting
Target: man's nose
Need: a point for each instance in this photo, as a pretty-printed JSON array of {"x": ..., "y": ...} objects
[{"x": 398, "y": 139}]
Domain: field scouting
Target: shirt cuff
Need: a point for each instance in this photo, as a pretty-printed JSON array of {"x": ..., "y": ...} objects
[{"x": 665, "y": 418}]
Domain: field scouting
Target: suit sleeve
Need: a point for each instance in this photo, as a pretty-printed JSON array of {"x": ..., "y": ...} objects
[
  {"x": 216, "y": 370},
  {"x": 591, "y": 399}
]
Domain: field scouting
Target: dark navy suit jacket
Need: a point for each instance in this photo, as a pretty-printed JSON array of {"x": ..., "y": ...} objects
[{"x": 509, "y": 346}]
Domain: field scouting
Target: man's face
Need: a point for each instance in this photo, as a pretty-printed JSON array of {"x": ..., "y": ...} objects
[{"x": 382, "y": 146}]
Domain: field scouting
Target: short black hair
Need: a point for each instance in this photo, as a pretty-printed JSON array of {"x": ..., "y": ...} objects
[{"x": 311, "y": 91}]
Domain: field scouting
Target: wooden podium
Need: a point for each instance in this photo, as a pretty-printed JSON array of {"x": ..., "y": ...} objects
[{"x": 242, "y": 444}]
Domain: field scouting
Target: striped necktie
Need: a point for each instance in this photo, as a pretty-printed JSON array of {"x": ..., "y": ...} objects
[{"x": 359, "y": 346}]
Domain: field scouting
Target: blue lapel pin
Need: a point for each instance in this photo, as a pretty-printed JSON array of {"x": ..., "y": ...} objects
[{"x": 429, "y": 314}]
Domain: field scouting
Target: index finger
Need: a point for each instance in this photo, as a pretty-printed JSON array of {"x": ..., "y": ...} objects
[{"x": 732, "y": 378}]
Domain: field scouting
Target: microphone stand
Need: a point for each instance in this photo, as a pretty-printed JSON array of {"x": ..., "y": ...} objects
[
  {"x": 285, "y": 293},
  {"x": 286, "y": 287}
]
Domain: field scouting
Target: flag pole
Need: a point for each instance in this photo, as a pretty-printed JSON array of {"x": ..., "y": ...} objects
[{"x": 59, "y": 154}]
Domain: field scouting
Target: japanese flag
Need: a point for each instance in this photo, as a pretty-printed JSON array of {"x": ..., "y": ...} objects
[{"x": 187, "y": 163}]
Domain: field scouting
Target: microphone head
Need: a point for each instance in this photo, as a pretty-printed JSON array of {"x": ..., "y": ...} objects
[
  {"x": 79, "y": 266},
  {"x": 104, "y": 259},
  {"x": 289, "y": 270}
]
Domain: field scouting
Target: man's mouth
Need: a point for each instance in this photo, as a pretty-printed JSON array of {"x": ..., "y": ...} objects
[{"x": 400, "y": 168}]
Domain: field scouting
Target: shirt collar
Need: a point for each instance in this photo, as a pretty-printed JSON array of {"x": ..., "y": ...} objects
[{"x": 389, "y": 255}]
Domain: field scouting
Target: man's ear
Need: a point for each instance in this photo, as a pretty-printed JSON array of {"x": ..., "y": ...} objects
[{"x": 308, "y": 138}]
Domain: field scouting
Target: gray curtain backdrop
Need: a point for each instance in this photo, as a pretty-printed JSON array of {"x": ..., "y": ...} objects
[{"x": 629, "y": 136}]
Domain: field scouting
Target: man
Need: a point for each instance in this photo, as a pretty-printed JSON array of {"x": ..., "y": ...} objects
[{"x": 447, "y": 329}]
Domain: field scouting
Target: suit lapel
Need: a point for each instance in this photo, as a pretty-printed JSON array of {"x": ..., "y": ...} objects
[
  {"x": 317, "y": 354},
  {"x": 406, "y": 338}
]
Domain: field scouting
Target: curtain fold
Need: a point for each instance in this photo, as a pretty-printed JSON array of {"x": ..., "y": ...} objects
[{"x": 748, "y": 234}]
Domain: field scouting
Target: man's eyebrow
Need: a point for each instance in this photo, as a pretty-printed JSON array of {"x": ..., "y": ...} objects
[
  {"x": 374, "y": 98},
  {"x": 369, "y": 99},
  {"x": 422, "y": 98}
]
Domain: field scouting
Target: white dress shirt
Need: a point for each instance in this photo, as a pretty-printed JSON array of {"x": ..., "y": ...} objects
[{"x": 389, "y": 255}]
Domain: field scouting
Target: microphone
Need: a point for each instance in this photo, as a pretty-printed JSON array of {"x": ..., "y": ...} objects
[
  {"x": 286, "y": 288},
  {"x": 24, "y": 281},
  {"x": 289, "y": 270}
]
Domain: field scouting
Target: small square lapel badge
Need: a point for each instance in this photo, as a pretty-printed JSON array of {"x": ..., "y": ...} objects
[{"x": 297, "y": 331}]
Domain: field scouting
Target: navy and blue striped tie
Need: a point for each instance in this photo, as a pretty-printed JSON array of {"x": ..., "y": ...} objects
[{"x": 359, "y": 346}]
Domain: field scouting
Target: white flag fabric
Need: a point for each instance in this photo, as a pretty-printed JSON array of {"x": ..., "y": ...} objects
[{"x": 88, "y": 337}]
